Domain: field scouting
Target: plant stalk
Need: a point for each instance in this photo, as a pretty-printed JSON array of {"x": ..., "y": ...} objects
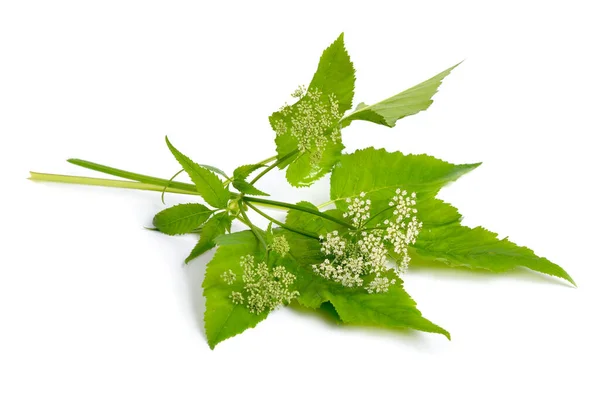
[
  {"x": 281, "y": 224},
  {"x": 271, "y": 167},
  {"x": 133, "y": 176},
  {"x": 104, "y": 182},
  {"x": 257, "y": 232},
  {"x": 299, "y": 208}
]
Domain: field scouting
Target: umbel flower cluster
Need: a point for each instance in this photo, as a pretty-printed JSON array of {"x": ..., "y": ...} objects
[
  {"x": 280, "y": 245},
  {"x": 361, "y": 255},
  {"x": 313, "y": 121},
  {"x": 264, "y": 289}
]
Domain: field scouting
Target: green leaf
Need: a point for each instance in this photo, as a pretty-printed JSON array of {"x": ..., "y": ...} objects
[
  {"x": 181, "y": 219},
  {"x": 215, "y": 169},
  {"x": 302, "y": 173},
  {"x": 239, "y": 180},
  {"x": 207, "y": 183},
  {"x": 242, "y": 172},
  {"x": 379, "y": 173},
  {"x": 409, "y": 102},
  {"x": 223, "y": 318},
  {"x": 442, "y": 238},
  {"x": 444, "y": 241},
  {"x": 247, "y": 188},
  {"x": 393, "y": 309},
  {"x": 334, "y": 76},
  {"x": 311, "y": 223},
  {"x": 214, "y": 227}
]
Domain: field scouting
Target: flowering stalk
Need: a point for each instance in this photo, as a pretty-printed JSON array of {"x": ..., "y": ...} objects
[
  {"x": 281, "y": 224},
  {"x": 275, "y": 164},
  {"x": 300, "y": 208}
]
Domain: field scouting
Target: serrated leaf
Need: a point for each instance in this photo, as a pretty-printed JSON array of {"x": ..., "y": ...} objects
[
  {"x": 302, "y": 173},
  {"x": 207, "y": 183},
  {"x": 242, "y": 172},
  {"x": 310, "y": 223},
  {"x": 215, "y": 169},
  {"x": 181, "y": 219},
  {"x": 442, "y": 238},
  {"x": 269, "y": 234},
  {"x": 247, "y": 188},
  {"x": 334, "y": 76},
  {"x": 223, "y": 318},
  {"x": 379, "y": 173},
  {"x": 444, "y": 241},
  {"x": 214, "y": 227},
  {"x": 393, "y": 309},
  {"x": 406, "y": 103}
]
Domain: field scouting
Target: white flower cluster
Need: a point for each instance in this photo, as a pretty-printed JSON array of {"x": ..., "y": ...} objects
[
  {"x": 363, "y": 253},
  {"x": 358, "y": 210},
  {"x": 350, "y": 260},
  {"x": 228, "y": 277},
  {"x": 404, "y": 227},
  {"x": 313, "y": 121},
  {"x": 237, "y": 298},
  {"x": 379, "y": 284},
  {"x": 280, "y": 245},
  {"x": 299, "y": 92},
  {"x": 264, "y": 289}
]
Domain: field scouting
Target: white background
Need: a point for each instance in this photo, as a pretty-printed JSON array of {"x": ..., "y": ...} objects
[{"x": 93, "y": 305}]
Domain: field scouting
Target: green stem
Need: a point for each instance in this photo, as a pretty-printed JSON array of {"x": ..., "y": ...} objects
[
  {"x": 271, "y": 167},
  {"x": 254, "y": 229},
  {"x": 268, "y": 160},
  {"x": 162, "y": 195},
  {"x": 382, "y": 211},
  {"x": 299, "y": 208},
  {"x": 228, "y": 181},
  {"x": 327, "y": 203},
  {"x": 189, "y": 188},
  {"x": 240, "y": 219},
  {"x": 373, "y": 229},
  {"x": 282, "y": 225},
  {"x": 104, "y": 182}
]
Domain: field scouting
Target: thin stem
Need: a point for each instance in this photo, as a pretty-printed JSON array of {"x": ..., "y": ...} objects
[
  {"x": 372, "y": 228},
  {"x": 228, "y": 181},
  {"x": 254, "y": 229},
  {"x": 382, "y": 211},
  {"x": 104, "y": 182},
  {"x": 133, "y": 176},
  {"x": 162, "y": 195},
  {"x": 240, "y": 219},
  {"x": 268, "y": 160},
  {"x": 327, "y": 203},
  {"x": 282, "y": 225},
  {"x": 271, "y": 167},
  {"x": 299, "y": 208},
  {"x": 271, "y": 206}
]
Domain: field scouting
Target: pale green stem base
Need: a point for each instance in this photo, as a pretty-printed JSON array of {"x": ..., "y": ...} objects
[{"x": 104, "y": 182}]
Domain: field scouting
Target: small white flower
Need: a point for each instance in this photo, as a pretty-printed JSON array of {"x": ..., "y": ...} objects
[
  {"x": 280, "y": 245},
  {"x": 364, "y": 252},
  {"x": 237, "y": 297},
  {"x": 313, "y": 121},
  {"x": 228, "y": 277},
  {"x": 264, "y": 289}
]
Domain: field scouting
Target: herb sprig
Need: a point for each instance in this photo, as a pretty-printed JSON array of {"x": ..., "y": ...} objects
[{"x": 349, "y": 259}]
